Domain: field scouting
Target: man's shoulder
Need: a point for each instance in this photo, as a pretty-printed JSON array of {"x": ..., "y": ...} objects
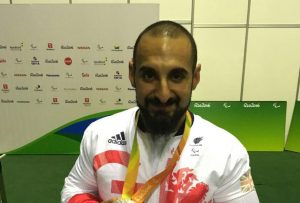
[
  {"x": 207, "y": 127},
  {"x": 110, "y": 125},
  {"x": 216, "y": 135}
]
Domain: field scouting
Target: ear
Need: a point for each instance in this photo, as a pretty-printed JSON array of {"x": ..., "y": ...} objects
[
  {"x": 196, "y": 76},
  {"x": 131, "y": 73}
]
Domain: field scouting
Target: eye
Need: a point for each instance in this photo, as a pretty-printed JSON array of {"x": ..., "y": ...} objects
[
  {"x": 148, "y": 75},
  {"x": 178, "y": 75}
]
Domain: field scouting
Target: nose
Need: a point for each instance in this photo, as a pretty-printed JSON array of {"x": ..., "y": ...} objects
[{"x": 163, "y": 92}]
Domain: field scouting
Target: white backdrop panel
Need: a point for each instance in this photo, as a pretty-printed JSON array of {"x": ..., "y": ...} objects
[{"x": 38, "y": 41}]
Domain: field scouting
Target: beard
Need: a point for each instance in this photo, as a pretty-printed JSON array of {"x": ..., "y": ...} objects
[{"x": 160, "y": 122}]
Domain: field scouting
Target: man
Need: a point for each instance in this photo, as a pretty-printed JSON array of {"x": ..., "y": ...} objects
[{"x": 168, "y": 154}]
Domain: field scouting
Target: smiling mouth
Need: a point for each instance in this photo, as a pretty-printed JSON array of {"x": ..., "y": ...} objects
[{"x": 162, "y": 108}]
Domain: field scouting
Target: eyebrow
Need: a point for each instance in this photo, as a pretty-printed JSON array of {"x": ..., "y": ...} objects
[
  {"x": 181, "y": 70},
  {"x": 143, "y": 68}
]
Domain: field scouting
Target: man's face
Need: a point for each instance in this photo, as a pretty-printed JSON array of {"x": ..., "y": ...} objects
[{"x": 164, "y": 81}]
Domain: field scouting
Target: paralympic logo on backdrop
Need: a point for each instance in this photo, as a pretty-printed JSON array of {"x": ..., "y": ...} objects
[{"x": 275, "y": 105}]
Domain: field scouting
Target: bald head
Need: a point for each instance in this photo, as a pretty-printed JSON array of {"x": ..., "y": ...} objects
[{"x": 169, "y": 29}]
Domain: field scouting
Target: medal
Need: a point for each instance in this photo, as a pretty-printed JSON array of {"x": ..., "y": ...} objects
[
  {"x": 128, "y": 195},
  {"x": 124, "y": 201}
]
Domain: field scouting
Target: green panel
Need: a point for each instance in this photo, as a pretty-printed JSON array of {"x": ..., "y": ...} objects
[
  {"x": 293, "y": 141},
  {"x": 260, "y": 126},
  {"x": 50, "y": 144},
  {"x": 54, "y": 143}
]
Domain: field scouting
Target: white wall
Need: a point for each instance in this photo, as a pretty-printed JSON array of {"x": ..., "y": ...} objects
[{"x": 271, "y": 58}]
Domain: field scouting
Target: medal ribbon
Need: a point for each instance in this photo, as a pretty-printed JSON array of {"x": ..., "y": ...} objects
[{"x": 133, "y": 165}]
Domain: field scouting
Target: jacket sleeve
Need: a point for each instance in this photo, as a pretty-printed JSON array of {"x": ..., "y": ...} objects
[
  {"x": 237, "y": 184},
  {"x": 80, "y": 186}
]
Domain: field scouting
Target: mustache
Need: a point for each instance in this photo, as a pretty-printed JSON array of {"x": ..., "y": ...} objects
[{"x": 156, "y": 102}]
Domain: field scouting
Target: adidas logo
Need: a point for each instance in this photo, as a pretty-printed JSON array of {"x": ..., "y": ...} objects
[{"x": 118, "y": 139}]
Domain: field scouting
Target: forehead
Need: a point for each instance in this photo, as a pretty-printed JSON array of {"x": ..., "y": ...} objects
[{"x": 164, "y": 49}]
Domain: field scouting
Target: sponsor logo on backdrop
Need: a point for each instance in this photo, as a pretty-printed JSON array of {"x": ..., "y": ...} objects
[
  {"x": 101, "y": 75},
  {"x": 66, "y": 47},
  {"x": 86, "y": 88},
  {"x": 119, "y": 101},
  {"x": 252, "y": 105},
  {"x": 53, "y": 88},
  {"x": 3, "y": 75},
  {"x": 36, "y": 74},
  {"x": 21, "y": 88},
  {"x": 7, "y": 101},
  {"x": 2, "y": 60},
  {"x": 20, "y": 75},
  {"x": 71, "y": 101},
  {"x": 101, "y": 62},
  {"x": 85, "y": 75},
  {"x": 102, "y": 88},
  {"x": 51, "y": 61},
  {"x": 17, "y": 47},
  {"x": 132, "y": 101},
  {"x": 130, "y": 47},
  {"x": 118, "y": 76},
  {"x": 52, "y": 75},
  {"x": 39, "y": 101},
  {"x": 35, "y": 61},
  {"x": 5, "y": 88},
  {"x": 83, "y": 47},
  {"x": 69, "y": 75},
  {"x": 55, "y": 100},
  {"x": 84, "y": 62},
  {"x": 23, "y": 101},
  {"x": 116, "y": 61},
  {"x": 202, "y": 105},
  {"x": 33, "y": 47},
  {"x": 102, "y": 101},
  {"x": 117, "y": 48},
  {"x": 38, "y": 88},
  {"x": 87, "y": 101},
  {"x": 18, "y": 61},
  {"x": 226, "y": 105},
  {"x": 68, "y": 60},
  {"x": 50, "y": 46},
  {"x": 100, "y": 47},
  {"x": 3, "y": 46},
  {"x": 70, "y": 88}
]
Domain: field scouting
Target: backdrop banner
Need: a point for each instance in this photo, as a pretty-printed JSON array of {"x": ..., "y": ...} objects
[
  {"x": 260, "y": 126},
  {"x": 293, "y": 140},
  {"x": 62, "y": 62}
]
